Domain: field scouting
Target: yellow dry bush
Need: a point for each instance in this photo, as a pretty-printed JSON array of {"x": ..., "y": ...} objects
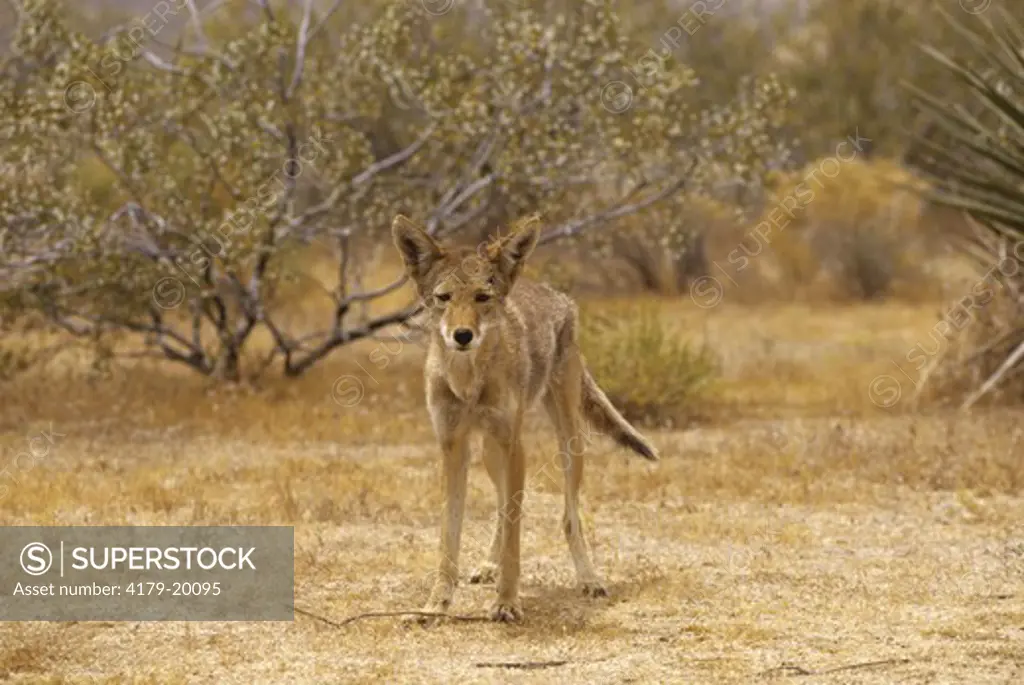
[{"x": 843, "y": 230}]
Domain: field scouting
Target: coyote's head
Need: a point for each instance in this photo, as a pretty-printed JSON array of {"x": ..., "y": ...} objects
[{"x": 463, "y": 289}]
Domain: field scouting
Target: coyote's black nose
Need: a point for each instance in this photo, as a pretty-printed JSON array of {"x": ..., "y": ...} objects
[{"x": 463, "y": 336}]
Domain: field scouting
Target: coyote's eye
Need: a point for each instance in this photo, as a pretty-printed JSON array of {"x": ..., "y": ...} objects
[
  {"x": 482, "y": 297},
  {"x": 443, "y": 297}
]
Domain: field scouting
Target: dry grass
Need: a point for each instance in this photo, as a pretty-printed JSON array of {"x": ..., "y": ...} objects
[{"x": 803, "y": 531}]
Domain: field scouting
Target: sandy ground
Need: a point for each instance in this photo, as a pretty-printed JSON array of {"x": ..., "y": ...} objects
[{"x": 763, "y": 550}]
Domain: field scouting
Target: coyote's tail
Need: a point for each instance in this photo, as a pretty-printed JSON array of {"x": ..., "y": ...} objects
[{"x": 606, "y": 419}]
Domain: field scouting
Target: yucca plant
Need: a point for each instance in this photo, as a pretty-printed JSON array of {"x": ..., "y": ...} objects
[{"x": 976, "y": 165}]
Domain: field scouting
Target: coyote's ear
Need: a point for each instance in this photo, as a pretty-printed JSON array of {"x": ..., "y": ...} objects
[
  {"x": 418, "y": 250},
  {"x": 509, "y": 254}
]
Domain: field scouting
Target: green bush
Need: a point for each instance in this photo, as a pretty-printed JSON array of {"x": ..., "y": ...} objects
[{"x": 649, "y": 373}]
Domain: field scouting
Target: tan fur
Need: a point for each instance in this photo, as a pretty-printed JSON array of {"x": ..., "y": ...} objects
[{"x": 522, "y": 351}]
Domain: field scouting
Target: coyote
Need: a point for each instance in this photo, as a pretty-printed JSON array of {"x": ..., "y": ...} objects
[{"x": 497, "y": 345}]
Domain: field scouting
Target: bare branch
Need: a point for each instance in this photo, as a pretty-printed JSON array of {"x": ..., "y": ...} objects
[
  {"x": 575, "y": 227},
  {"x": 162, "y": 65},
  {"x": 364, "y": 177},
  {"x": 378, "y": 292},
  {"x": 265, "y": 4},
  {"x": 993, "y": 380},
  {"x": 327, "y": 17},
  {"x": 197, "y": 24},
  {"x": 337, "y": 338},
  {"x": 83, "y": 325},
  {"x": 446, "y": 209},
  {"x": 300, "y": 50}
]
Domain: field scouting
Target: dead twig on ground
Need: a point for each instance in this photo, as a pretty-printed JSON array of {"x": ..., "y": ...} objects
[
  {"x": 383, "y": 614},
  {"x": 794, "y": 669},
  {"x": 524, "y": 665}
]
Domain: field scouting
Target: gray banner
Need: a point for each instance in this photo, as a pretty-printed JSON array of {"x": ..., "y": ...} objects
[{"x": 130, "y": 573}]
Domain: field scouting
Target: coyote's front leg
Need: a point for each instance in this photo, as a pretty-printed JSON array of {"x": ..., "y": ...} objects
[
  {"x": 508, "y": 608},
  {"x": 494, "y": 460},
  {"x": 455, "y": 448}
]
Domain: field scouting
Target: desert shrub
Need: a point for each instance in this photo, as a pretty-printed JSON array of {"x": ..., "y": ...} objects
[
  {"x": 856, "y": 235},
  {"x": 651, "y": 374},
  {"x": 976, "y": 168},
  {"x": 174, "y": 200}
]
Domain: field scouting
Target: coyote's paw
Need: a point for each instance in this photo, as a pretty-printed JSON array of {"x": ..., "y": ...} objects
[
  {"x": 485, "y": 575},
  {"x": 594, "y": 589},
  {"x": 421, "y": 619},
  {"x": 507, "y": 612}
]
